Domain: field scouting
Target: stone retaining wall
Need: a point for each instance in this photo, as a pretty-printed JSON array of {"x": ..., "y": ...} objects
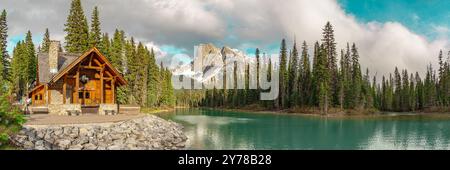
[
  {"x": 103, "y": 107},
  {"x": 60, "y": 109},
  {"x": 149, "y": 132}
]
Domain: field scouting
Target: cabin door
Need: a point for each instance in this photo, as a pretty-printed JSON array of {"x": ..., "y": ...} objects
[{"x": 85, "y": 97}]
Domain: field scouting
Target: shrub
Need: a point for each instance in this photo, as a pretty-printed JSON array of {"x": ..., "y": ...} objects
[{"x": 11, "y": 120}]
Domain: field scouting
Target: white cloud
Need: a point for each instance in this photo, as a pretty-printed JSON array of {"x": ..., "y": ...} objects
[
  {"x": 249, "y": 23},
  {"x": 160, "y": 55},
  {"x": 442, "y": 31},
  {"x": 382, "y": 46}
]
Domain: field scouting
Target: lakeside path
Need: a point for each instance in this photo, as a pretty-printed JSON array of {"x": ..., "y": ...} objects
[{"x": 44, "y": 119}]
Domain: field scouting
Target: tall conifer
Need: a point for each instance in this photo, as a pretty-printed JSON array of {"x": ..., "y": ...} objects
[{"x": 76, "y": 27}]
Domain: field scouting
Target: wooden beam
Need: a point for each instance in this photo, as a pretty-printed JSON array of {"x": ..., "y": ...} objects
[
  {"x": 77, "y": 85},
  {"x": 113, "y": 92},
  {"x": 91, "y": 67},
  {"x": 97, "y": 62},
  {"x": 101, "y": 85},
  {"x": 109, "y": 74},
  {"x": 90, "y": 59},
  {"x": 64, "y": 89},
  {"x": 46, "y": 94},
  {"x": 49, "y": 95}
]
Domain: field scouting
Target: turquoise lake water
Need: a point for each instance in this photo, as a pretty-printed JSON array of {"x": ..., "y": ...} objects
[{"x": 213, "y": 129}]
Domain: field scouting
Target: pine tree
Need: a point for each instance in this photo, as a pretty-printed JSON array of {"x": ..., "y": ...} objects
[
  {"x": 398, "y": 89},
  {"x": 442, "y": 91},
  {"x": 446, "y": 82},
  {"x": 322, "y": 79},
  {"x": 323, "y": 98},
  {"x": 131, "y": 71},
  {"x": 391, "y": 93},
  {"x": 117, "y": 50},
  {"x": 95, "y": 36},
  {"x": 383, "y": 96},
  {"x": 18, "y": 70},
  {"x": 77, "y": 37},
  {"x": 117, "y": 59},
  {"x": 235, "y": 91},
  {"x": 330, "y": 48},
  {"x": 138, "y": 67},
  {"x": 347, "y": 78},
  {"x": 441, "y": 64},
  {"x": 269, "y": 104},
  {"x": 247, "y": 94},
  {"x": 23, "y": 66},
  {"x": 283, "y": 76},
  {"x": 419, "y": 93},
  {"x": 429, "y": 88},
  {"x": 293, "y": 77},
  {"x": 315, "y": 75},
  {"x": 375, "y": 93},
  {"x": 30, "y": 60},
  {"x": 225, "y": 90},
  {"x": 258, "y": 68},
  {"x": 153, "y": 81},
  {"x": 412, "y": 93},
  {"x": 5, "y": 60},
  {"x": 405, "y": 91},
  {"x": 305, "y": 77},
  {"x": 170, "y": 95},
  {"x": 1, "y": 67},
  {"x": 105, "y": 45},
  {"x": 366, "y": 91},
  {"x": 46, "y": 42},
  {"x": 355, "y": 94},
  {"x": 163, "y": 97},
  {"x": 342, "y": 80}
]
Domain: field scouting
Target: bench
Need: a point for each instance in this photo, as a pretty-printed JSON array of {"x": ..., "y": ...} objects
[
  {"x": 73, "y": 112},
  {"x": 110, "y": 112}
]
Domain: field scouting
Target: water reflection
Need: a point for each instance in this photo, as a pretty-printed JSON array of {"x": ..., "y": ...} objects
[{"x": 209, "y": 129}]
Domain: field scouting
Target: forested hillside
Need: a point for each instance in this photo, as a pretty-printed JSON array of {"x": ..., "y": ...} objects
[{"x": 327, "y": 82}]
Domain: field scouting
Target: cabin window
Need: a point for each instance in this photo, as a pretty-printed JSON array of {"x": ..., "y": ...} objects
[
  {"x": 38, "y": 97},
  {"x": 85, "y": 96}
]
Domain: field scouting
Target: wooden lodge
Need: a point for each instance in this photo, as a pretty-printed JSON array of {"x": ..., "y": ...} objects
[{"x": 72, "y": 84}]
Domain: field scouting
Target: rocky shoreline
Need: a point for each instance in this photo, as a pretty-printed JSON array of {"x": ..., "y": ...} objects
[{"x": 146, "y": 133}]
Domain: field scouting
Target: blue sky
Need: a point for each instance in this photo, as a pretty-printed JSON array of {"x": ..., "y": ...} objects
[
  {"x": 408, "y": 33},
  {"x": 37, "y": 39},
  {"x": 429, "y": 18},
  {"x": 421, "y": 16}
]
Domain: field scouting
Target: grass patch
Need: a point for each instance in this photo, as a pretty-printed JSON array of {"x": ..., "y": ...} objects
[{"x": 155, "y": 110}]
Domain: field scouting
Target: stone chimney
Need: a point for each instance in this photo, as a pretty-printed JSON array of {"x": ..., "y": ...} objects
[{"x": 53, "y": 55}]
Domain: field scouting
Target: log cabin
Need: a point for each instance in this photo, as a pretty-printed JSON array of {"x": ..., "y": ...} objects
[{"x": 72, "y": 83}]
